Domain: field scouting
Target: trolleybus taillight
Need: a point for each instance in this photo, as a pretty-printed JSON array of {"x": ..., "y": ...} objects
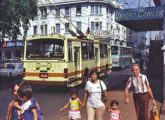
[
  {"x": 24, "y": 70},
  {"x": 66, "y": 73}
]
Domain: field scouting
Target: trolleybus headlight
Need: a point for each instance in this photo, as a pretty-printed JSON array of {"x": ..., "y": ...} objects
[
  {"x": 48, "y": 65},
  {"x": 38, "y": 65}
]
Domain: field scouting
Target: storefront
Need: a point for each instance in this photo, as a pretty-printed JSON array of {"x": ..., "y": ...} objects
[{"x": 12, "y": 50}]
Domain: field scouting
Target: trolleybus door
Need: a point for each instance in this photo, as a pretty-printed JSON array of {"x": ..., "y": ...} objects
[
  {"x": 77, "y": 60},
  {"x": 97, "y": 57}
]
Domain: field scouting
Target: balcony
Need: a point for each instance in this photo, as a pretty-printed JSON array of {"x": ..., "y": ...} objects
[{"x": 100, "y": 33}]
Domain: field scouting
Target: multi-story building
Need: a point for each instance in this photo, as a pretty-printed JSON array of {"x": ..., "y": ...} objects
[
  {"x": 98, "y": 15},
  {"x": 138, "y": 42}
]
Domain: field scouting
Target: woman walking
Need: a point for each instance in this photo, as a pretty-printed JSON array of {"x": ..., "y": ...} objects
[{"x": 92, "y": 97}]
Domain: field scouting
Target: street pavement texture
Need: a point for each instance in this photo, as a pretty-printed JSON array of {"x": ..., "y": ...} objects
[{"x": 115, "y": 83}]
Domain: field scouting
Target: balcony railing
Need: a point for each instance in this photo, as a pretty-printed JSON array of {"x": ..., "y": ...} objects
[{"x": 100, "y": 33}]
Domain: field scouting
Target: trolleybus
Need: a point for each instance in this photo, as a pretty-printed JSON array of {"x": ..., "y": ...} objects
[
  {"x": 64, "y": 61},
  {"x": 121, "y": 56}
]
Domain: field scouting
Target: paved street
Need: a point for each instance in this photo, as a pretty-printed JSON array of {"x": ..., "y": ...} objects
[{"x": 50, "y": 100}]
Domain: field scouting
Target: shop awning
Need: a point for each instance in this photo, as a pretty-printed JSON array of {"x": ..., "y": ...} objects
[{"x": 141, "y": 19}]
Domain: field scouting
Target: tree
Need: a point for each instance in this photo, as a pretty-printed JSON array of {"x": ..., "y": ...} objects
[{"x": 14, "y": 15}]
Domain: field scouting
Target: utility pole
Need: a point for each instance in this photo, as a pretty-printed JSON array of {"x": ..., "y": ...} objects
[
  {"x": 139, "y": 4},
  {"x": 150, "y": 31}
]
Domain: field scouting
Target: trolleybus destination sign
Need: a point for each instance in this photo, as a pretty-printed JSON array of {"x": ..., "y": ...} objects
[{"x": 139, "y": 14}]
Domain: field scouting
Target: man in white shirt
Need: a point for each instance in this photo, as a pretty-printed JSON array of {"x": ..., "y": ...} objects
[{"x": 142, "y": 92}]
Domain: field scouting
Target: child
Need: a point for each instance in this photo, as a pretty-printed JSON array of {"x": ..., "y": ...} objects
[
  {"x": 74, "y": 102},
  {"x": 114, "y": 111},
  {"x": 29, "y": 109}
]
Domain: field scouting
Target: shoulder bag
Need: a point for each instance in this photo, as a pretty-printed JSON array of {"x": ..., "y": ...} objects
[{"x": 103, "y": 97}]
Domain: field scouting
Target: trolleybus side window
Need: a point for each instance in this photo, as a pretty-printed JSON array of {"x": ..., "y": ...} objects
[
  {"x": 114, "y": 50},
  {"x": 101, "y": 51},
  {"x": 69, "y": 50},
  {"x": 105, "y": 51},
  {"x": 84, "y": 50},
  {"x": 91, "y": 50}
]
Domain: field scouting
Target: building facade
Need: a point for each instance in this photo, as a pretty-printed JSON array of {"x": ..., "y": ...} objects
[
  {"x": 138, "y": 42},
  {"x": 97, "y": 15}
]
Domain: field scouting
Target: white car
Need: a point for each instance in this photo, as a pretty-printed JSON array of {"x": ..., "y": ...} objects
[{"x": 11, "y": 70}]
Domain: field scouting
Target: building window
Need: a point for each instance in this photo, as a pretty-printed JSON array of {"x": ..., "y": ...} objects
[
  {"x": 92, "y": 9},
  {"x": 46, "y": 31},
  {"x": 78, "y": 10},
  {"x": 67, "y": 11},
  {"x": 43, "y": 12},
  {"x": 107, "y": 26},
  {"x": 107, "y": 10},
  {"x": 100, "y": 11},
  {"x": 78, "y": 25},
  {"x": 96, "y": 9},
  {"x": 100, "y": 26},
  {"x": 43, "y": 29},
  {"x": 96, "y": 26},
  {"x": 53, "y": 30},
  {"x": 66, "y": 27},
  {"x": 35, "y": 30},
  {"x": 92, "y": 26},
  {"x": 57, "y": 12},
  {"x": 57, "y": 28}
]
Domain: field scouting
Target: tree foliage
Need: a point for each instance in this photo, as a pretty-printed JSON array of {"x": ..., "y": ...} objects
[{"x": 15, "y": 15}]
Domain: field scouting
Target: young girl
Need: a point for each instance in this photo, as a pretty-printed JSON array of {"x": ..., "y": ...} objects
[
  {"x": 28, "y": 109},
  {"x": 114, "y": 111},
  {"x": 73, "y": 102}
]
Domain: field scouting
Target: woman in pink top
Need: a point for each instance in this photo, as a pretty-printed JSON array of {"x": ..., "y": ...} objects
[{"x": 114, "y": 111}]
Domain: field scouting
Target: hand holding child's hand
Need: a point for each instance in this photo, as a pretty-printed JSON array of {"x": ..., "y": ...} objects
[
  {"x": 126, "y": 100},
  {"x": 60, "y": 110}
]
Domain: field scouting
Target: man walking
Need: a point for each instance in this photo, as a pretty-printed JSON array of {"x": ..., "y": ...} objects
[{"x": 142, "y": 92}]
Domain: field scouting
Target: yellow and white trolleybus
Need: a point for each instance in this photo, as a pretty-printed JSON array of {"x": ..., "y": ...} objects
[{"x": 58, "y": 60}]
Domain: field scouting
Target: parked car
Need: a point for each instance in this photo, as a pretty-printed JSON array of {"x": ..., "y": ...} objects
[{"x": 11, "y": 70}]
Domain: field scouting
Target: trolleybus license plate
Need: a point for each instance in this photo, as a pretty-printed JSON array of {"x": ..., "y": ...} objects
[{"x": 43, "y": 75}]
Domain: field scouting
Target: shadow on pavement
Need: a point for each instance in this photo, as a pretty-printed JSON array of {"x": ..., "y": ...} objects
[
  {"x": 156, "y": 84},
  {"x": 116, "y": 82}
]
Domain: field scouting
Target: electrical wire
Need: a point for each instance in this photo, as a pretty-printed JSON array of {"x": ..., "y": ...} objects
[{"x": 72, "y": 17}]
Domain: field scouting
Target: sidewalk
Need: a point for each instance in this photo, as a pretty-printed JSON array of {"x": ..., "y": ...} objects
[
  {"x": 127, "y": 111},
  {"x": 117, "y": 92}
]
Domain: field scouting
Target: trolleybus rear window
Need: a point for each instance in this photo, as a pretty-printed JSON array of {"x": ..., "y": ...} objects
[
  {"x": 45, "y": 49},
  {"x": 115, "y": 50}
]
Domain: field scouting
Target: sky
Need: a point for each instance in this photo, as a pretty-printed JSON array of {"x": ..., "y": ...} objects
[
  {"x": 139, "y": 3},
  {"x": 135, "y": 3}
]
